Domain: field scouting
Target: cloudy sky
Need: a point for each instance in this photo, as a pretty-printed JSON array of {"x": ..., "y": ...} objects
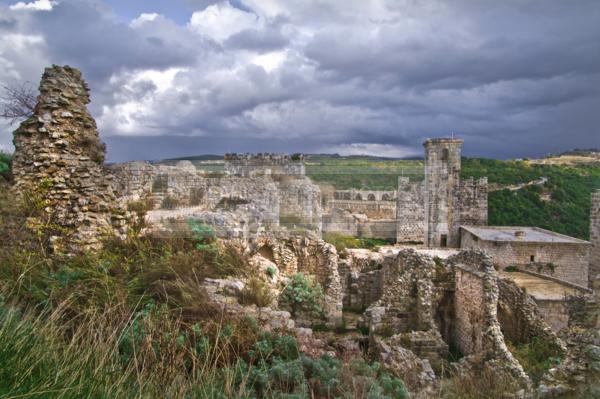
[{"x": 180, "y": 77}]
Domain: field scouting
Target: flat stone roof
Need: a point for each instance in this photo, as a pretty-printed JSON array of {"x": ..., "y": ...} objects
[
  {"x": 540, "y": 288},
  {"x": 520, "y": 234}
]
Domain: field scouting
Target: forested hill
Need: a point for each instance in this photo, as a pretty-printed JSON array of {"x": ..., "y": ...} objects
[{"x": 561, "y": 204}]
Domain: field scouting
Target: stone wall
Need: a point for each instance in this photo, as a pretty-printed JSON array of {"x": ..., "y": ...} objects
[
  {"x": 340, "y": 221},
  {"x": 311, "y": 257},
  {"x": 58, "y": 147},
  {"x": 362, "y": 279},
  {"x": 477, "y": 329},
  {"x": 364, "y": 195},
  {"x": 570, "y": 260},
  {"x": 248, "y": 165},
  {"x": 410, "y": 211},
  {"x": 473, "y": 202},
  {"x": 469, "y": 313},
  {"x": 385, "y": 229},
  {"x": 372, "y": 209},
  {"x": 300, "y": 200},
  {"x": 595, "y": 237},
  {"x": 261, "y": 201}
]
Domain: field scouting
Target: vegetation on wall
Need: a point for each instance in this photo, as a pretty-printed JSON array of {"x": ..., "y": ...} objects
[{"x": 5, "y": 166}]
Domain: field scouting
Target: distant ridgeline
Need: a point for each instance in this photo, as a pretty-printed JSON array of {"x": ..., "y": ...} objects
[{"x": 561, "y": 204}]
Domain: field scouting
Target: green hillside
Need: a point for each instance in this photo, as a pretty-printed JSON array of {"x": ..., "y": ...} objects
[{"x": 562, "y": 204}]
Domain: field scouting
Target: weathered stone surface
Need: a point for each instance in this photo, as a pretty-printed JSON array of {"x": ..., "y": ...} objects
[
  {"x": 309, "y": 256},
  {"x": 59, "y": 147},
  {"x": 450, "y": 202},
  {"x": 415, "y": 372}
]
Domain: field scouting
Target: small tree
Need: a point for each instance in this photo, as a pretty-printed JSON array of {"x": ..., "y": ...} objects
[
  {"x": 303, "y": 295},
  {"x": 17, "y": 102}
]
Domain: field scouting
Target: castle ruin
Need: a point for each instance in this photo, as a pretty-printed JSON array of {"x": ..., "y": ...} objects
[
  {"x": 59, "y": 155},
  {"x": 454, "y": 288}
]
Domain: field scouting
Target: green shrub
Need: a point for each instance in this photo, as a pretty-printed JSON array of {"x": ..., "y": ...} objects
[
  {"x": 257, "y": 292},
  {"x": 511, "y": 269},
  {"x": 536, "y": 357},
  {"x": 343, "y": 242},
  {"x": 303, "y": 296},
  {"x": 169, "y": 202},
  {"x": 5, "y": 166}
]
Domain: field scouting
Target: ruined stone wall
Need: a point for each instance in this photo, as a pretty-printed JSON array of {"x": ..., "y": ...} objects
[
  {"x": 477, "y": 328},
  {"x": 364, "y": 195},
  {"x": 595, "y": 237},
  {"x": 340, "y": 221},
  {"x": 385, "y": 229},
  {"x": 312, "y": 257},
  {"x": 522, "y": 318},
  {"x": 248, "y": 165},
  {"x": 473, "y": 202},
  {"x": 410, "y": 211},
  {"x": 300, "y": 202},
  {"x": 362, "y": 280},
  {"x": 59, "y": 147},
  {"x": 373, "y": 209},
  {"x": 442, "y": 191},
  {"x": 570, "y": 260},
  {"x": 469, "y": 322}
]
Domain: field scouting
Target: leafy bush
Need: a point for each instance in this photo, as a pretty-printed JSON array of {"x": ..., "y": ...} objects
[
  {"x": 302, "y": 296},
  {"x": 203, "y": 234}
]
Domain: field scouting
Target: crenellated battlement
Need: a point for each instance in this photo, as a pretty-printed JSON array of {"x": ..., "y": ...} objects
[{"x": 265, "y": 164}]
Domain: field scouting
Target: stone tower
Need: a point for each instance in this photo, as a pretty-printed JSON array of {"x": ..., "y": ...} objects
[
  {"x": 595, "y": 237},
  {"x": 442, "y": 188},
  {"x": 58, "y": 148}
]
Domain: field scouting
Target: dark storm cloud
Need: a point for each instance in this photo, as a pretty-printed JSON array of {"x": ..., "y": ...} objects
[
  {"x": 514, "y": 78},
  {"x": 100, "y": 45}
]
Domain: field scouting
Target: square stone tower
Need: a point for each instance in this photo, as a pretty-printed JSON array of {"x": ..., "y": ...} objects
[
  {"x": 442, "y": 192},
  {"x": 594, "y": 270}
]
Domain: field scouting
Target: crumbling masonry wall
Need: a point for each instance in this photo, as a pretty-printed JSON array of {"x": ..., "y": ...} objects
[
  {"x": 59, "y": 146},
  {"x": 410, "y": 211},
  {"x": 312, "y": 257},
  {"x": 476, "y": 328}
]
